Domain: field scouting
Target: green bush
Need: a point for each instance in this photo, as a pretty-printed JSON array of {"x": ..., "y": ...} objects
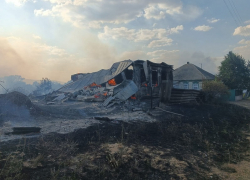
[{"x": 215, "y": 91}]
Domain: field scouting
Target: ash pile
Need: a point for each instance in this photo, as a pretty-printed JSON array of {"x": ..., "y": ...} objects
[
  {"x": 15, "y": 105},
  {"x": 16, "y": 113},
  {"x": 136, "y": 80}
]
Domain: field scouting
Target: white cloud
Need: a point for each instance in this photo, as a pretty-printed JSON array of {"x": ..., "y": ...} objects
[
  {"x": 189, "y": 13},
  {"x": 243, "y": 50},
  {"x": 169, "y": 57},
  {"x": 42, "y": 12},
  {"x": 176, "y": 29},
  {"x": 61, "y": 1},
  {"x": 213, "y": 20},
  {"x": 17, "y": 2},
  {"x": 79, "y": 2},
  {"x": 147, "y": 34},
  {"x": 160, "y": 43},
  {"x": 202, "y": 28},
  {"x": 161, "y": 52},
  {"x": 117, "y": 33},
  {"x": 66, "y": 12},
  {"x": 242, "y": 31},
  {"x": 243, "y": 41},
  {"x": 160, "y": 33},
  {"x": 92, "y": 13},
  {"x": 153, "y": 12},
  {"x": 247, "y": 22},
  {"x": 139, "y": 35},
  {"x": 36, "y": 37},
  {"x": 94, "y": 24},
  {"x": 82, "y": 13},
  {"x": 174, "y": 9}
]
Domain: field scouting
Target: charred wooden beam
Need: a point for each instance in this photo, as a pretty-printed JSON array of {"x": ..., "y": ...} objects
[
  {"x": 103, "y": 118},
  {"x": 25, "y": 130}
]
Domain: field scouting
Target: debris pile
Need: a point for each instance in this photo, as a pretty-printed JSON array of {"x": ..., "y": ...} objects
[
  {"x": 16, "y": 98},
  {"x": 124, "y": 80},
  {"x": 16, "y": 104},
  {"x": 92, "y": 92}
]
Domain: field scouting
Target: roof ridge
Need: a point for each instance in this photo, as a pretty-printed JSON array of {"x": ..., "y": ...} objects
[
  {"x": 197, "y": 68},
  {"x": 200, "y": 69},
  {"x": 191, "y": 72}
]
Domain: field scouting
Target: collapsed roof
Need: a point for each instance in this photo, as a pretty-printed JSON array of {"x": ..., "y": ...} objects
[
  {"x": 98, "y": 77},
  {"x": 123, "y": 80}
]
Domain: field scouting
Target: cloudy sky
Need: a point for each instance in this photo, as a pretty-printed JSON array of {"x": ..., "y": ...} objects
[{"x": 57, "y": 38}]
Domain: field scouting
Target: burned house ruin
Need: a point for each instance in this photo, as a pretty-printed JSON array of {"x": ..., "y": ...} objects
[{"x": 126, "y": 79}]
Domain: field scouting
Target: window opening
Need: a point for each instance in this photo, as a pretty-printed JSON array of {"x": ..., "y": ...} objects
[
  {"x": 176, "y": 85},
  {"x": 118, "y": 79},
  {"x": 154, "y": 77},
  {"x": 163, "y": 75},
  {"x": 196, "y": 86},
  {"x": 142, "y": 75},
  {"x": 129, "y": 72},
  {"x": 185, "y": 86}
]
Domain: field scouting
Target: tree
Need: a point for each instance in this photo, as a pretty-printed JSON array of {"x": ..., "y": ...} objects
[
  {"x": 45, "y": 84},
  {"x": 44, "y": 87},
  {"x": 234, "y": 71}
]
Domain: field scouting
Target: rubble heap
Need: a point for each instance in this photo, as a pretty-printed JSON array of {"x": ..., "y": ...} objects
[
  {"x": 126, "y": 79},
  {"x": 16, "y": 98}
]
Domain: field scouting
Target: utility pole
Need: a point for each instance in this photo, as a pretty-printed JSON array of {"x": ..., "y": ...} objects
[{"x": 201, "y": 65}]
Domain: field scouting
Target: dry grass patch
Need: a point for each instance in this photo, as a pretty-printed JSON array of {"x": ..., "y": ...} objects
[{"x": 239, "y": 171}]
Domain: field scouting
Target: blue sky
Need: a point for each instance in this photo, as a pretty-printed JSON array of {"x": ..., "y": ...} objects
[{"x": 57, "y": 38}]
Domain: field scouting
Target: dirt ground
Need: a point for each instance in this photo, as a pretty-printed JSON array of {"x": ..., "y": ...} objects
[
  {"x": 244, "y": 103},
  {"x": 59, "y": 118},
  {"x": 210, "y": 141}
]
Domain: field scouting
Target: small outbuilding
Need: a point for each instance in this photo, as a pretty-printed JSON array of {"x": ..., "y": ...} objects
[{"x": 235, "y": 95}]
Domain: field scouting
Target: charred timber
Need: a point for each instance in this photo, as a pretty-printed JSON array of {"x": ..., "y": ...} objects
[{"x": 25, "y": 130}]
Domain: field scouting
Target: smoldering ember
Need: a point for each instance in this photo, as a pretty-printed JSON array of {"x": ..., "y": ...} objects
[{"x": 136, "y": 120}]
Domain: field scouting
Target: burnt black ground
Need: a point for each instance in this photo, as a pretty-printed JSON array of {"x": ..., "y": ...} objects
[{"x": 203, "y": 138}]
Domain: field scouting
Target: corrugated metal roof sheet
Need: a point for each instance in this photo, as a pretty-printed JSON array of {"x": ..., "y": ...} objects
[
  {"x": 99, "y": 77},
  {"x": 128, "y": 89},
  {"x": 123, "y": 91}
]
